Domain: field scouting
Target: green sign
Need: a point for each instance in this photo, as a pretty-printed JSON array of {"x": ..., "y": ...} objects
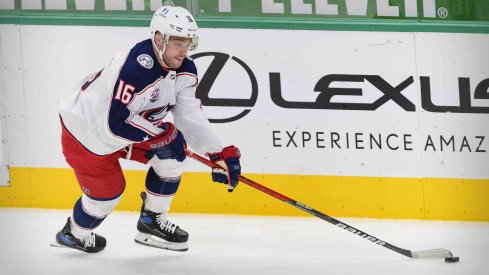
[
  {"x": 86, "y": 6},
  {"x": 465, "y": 16},
  {"x": 465, "y": 10}
]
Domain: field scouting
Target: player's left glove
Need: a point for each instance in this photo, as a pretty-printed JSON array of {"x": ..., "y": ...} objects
[{"x": 228, "y": 159}]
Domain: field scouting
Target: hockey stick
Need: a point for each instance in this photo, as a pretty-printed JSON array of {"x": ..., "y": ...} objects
[{"x": 439, "y": 253}]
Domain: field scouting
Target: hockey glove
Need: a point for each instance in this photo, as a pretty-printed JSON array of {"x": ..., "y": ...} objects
[
  {"x": 169, "y": 144},
  {"x": 228, "y": 159}
]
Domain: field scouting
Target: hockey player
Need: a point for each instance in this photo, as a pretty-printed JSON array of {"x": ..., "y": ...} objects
[{"x": 119, "y": 112}]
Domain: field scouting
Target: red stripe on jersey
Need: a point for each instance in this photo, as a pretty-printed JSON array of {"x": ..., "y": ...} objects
[
  {"x": 141, "y": 127},
  {"x": 187, "y": 74}
]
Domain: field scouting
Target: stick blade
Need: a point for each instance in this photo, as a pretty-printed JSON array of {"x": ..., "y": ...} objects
[{"x": 439, "y": 253}]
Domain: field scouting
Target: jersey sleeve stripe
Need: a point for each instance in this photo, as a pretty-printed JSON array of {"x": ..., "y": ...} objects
[
  {"x": 186, "y": 74},
  {"x": 141, "y": 128}
]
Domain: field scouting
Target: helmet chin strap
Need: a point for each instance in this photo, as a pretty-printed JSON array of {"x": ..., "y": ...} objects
[{"x": 160, "y": 52}]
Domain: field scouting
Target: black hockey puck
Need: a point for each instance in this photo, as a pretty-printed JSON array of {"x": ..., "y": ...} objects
[{"x": 452, "y": 259}]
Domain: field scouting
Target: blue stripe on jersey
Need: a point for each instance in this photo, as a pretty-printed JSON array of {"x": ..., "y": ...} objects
[{"x": 139, "y": 77}]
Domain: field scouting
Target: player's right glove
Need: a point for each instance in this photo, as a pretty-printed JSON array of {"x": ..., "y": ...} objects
[
  {"x": 169, "y": 144},
  {"x": 228, "y": 159}
]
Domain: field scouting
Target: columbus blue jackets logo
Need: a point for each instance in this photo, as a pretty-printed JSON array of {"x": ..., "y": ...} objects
[
  {"x": 145, "y": 61},
  {"x": 85, "y": 190},
  {"x": 156, "y": 114}
]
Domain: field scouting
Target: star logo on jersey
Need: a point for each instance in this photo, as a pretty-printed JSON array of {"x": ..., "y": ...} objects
[{"x": 145, "y": 61}]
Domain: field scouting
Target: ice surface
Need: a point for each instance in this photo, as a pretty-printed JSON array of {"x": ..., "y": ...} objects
[{"x": 243, "y": 245}]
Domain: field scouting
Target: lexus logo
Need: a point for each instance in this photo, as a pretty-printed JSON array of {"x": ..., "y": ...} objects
[{"x": 221, "y": 63}]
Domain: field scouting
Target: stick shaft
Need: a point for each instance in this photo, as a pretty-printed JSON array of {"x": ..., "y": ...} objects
[{"x": 441, "y": 253}]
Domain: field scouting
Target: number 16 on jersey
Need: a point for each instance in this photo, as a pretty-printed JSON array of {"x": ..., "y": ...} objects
[{"x": 124, "y": 92}]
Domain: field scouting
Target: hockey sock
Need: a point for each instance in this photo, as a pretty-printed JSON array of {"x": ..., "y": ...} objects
[
  {"x": 160, "y": 192},
  {"x": 83, "y": 223}
]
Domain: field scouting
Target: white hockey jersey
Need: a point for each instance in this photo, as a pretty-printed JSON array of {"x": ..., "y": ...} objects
[{"x": 124, "y": 102}]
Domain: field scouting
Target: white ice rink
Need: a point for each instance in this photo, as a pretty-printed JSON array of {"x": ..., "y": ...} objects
[{"x": 243, "y": 245}]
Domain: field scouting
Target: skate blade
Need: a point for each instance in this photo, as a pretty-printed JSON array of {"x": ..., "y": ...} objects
[
  {"x": 152, "y": 241},
  {"x": 56, "y": 244}
]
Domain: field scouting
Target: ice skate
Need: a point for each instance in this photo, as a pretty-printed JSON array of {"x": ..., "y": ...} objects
[
  {"x": 157, "y": 231},
  {"x": 91, "y": 244}
]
